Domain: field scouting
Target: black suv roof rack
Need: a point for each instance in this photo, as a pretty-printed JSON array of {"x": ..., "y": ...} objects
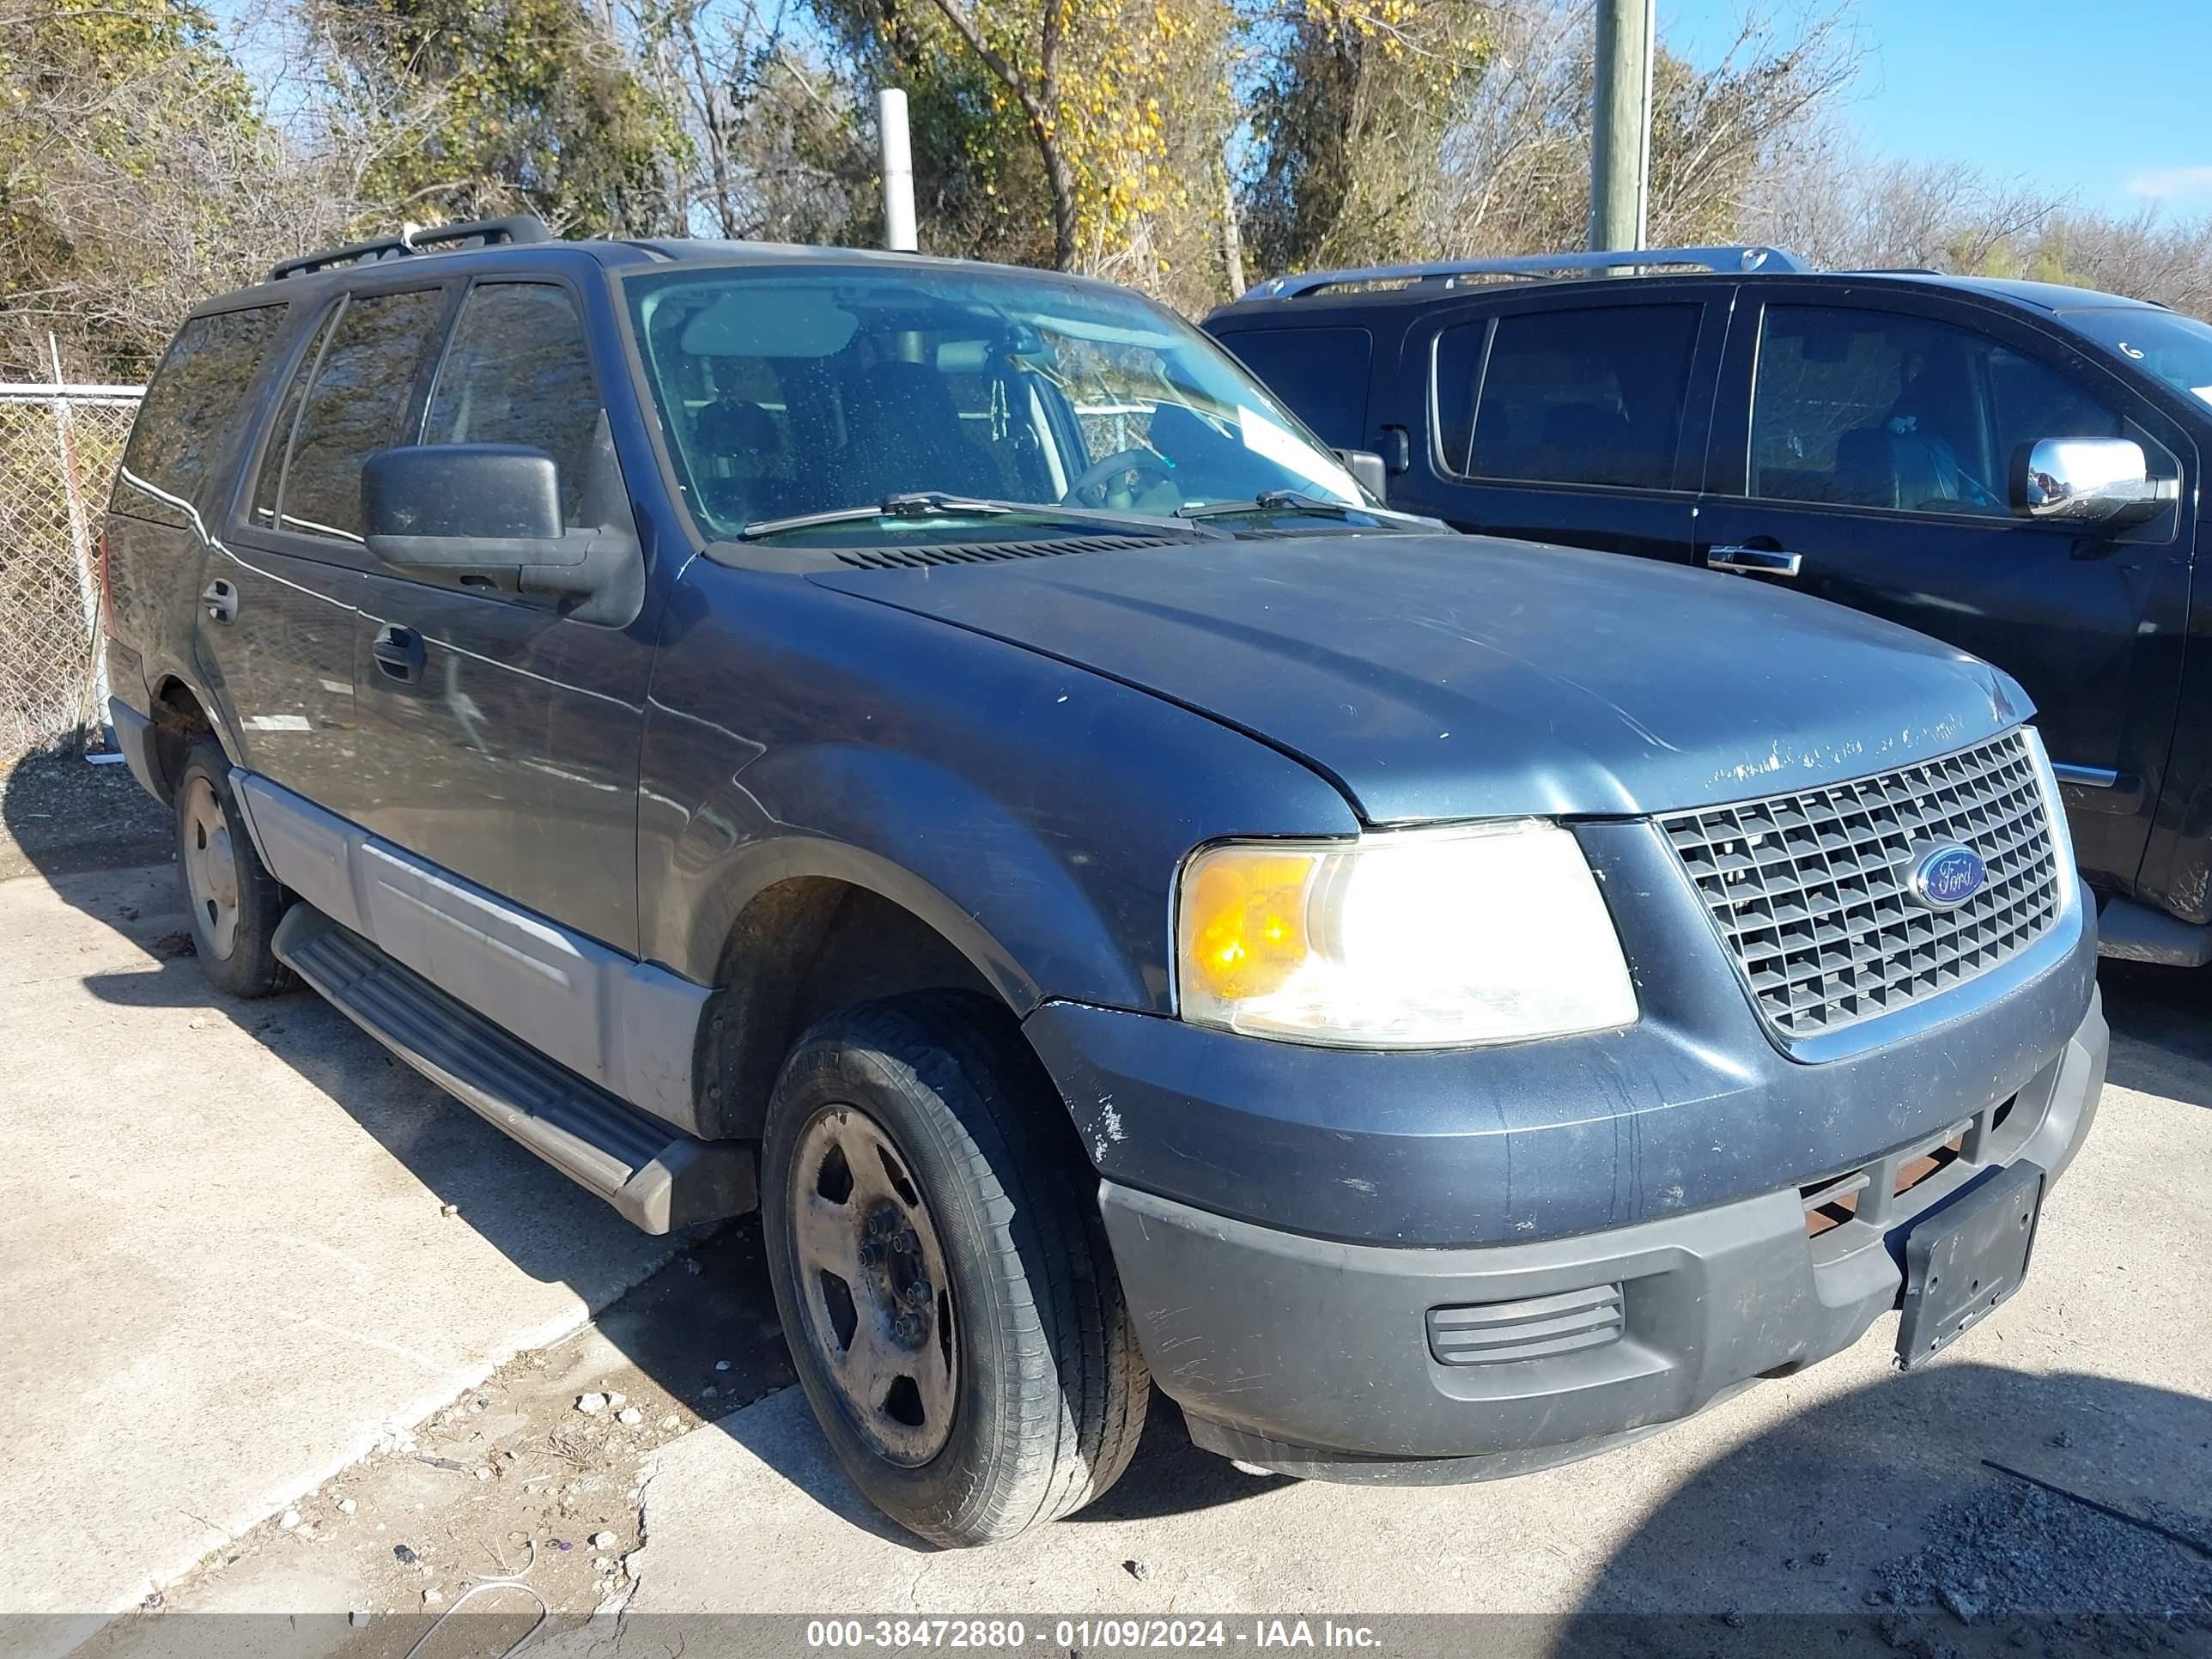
[
  {"x": 474, "y": 232},
  {"x": 1445, "y": 272}
]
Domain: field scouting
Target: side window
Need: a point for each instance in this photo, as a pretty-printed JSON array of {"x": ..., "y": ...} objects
[
  {"x": 270, "y": 483},
  {"x": 357, "y": 405},
  {"x": 1590, "y": 397},
  {"x": 1878, "y": 409},
  {"x": 190, "y": 410},
  {"x": 1458, "y": 366},
  {"x": 2028, "y": 401},
  {"x": 517, "y": 372},
  {"x": 1321, "y": 373}
]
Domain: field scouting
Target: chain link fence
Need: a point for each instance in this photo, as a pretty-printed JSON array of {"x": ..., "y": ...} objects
[{"x": 59, "y": 446}]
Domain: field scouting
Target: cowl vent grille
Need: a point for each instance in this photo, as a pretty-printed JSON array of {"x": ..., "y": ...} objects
[{"x": 915, "y": 558}]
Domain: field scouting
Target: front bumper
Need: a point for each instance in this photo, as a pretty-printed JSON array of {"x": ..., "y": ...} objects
[{"x": 1323, "y": 1358}]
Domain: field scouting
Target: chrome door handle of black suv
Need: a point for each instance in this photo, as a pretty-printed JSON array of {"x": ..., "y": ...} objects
[
  {"x": 220, "y": 600},
  {"x": 1754, "y": 560}
]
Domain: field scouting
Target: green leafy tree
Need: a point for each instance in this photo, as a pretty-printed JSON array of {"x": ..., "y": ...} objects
[{"x": 478, "y": 108}]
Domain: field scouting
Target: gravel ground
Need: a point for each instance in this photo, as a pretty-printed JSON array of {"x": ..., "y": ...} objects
[{"x": 59, "y": 817}]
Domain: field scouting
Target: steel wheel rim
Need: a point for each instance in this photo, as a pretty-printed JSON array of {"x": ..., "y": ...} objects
[
  {"x": 863, "y": 1240},
  {"x": 211, "y": 868}
]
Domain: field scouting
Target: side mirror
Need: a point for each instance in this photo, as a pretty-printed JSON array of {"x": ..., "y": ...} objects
[
  {"x": 455, "y": 508},
  {"x": 488, "y": 517},
  {"x": 1367, "y": 470},
  {"x": 2085, "y": 481}
]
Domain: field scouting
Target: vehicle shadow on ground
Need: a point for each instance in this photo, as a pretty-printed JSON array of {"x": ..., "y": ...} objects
[
  {"x": 1873, "y": 1521},
  {"x": 2162, "y": 1021}
]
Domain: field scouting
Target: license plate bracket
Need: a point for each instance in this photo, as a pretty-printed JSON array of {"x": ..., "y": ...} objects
[{"x": 1963, "y": 1261}]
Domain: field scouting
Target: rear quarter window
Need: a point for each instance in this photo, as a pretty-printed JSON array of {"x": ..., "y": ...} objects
[
  {"x": 189, "y": 418},
  {"x": 1321, "y": 373}
]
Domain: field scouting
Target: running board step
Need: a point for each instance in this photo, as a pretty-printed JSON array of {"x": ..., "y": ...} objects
[{"x": 655, "y": 1175}]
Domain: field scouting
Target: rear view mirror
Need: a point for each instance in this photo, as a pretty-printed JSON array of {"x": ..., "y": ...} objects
[
  {"x": 2085, "y": 481},
  {"x": 1366, "y": 467},
  {"x": 446, "y": 506}
]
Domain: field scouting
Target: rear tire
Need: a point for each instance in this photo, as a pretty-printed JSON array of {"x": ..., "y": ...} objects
[
  {"x": 235, "y": 903},
  {"x": 917, "y": 1142}
]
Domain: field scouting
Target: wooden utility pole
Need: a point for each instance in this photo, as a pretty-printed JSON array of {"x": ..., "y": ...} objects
[{"x": 1620, "y": 126}]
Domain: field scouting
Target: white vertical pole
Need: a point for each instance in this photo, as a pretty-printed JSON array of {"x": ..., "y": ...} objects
[
  {"x": 898, "y": 170},
  {"x": 80, "y": 524}
]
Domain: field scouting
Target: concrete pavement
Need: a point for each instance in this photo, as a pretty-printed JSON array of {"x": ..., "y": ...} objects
[{"x": 225, "y": 1269}]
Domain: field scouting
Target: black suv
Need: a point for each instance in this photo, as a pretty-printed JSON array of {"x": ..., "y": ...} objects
[
  {"x": 936, "y": 747},
  {"x": 2010, "y": 466}
]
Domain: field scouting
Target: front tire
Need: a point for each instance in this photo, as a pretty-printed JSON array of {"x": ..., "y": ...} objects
[
  {"x": 941, "y": 1272},
  {"x": 235, "y": 903}
]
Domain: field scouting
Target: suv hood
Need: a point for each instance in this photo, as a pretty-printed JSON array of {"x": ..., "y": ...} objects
[{"x": 1436, "y": 676}]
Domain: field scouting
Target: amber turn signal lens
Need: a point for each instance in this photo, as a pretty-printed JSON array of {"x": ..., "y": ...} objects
[{"x": 1244, "y": 920}]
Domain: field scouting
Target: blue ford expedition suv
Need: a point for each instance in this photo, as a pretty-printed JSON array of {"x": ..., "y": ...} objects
[{"x": 936, "y": 753}]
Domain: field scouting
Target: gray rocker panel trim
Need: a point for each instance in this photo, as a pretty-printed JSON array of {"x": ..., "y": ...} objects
[{"x": 626, "y": 1026}]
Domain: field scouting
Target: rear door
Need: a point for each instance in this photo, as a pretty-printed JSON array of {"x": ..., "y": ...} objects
[
  {"x": 1867, "y": 433},
  {"x": 192, "y": 422},
  {"x": 500, "y": 737},
  {"x": 1564, "y": 416},
  {"x": 284, "y": 588}
]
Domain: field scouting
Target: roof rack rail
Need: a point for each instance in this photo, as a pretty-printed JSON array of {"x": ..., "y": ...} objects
[
  {"x": 474, "y": 232},
  {"x": 1446, "y": 272}
]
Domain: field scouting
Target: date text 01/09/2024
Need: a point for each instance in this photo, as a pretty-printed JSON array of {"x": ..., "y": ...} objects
[{"x": 1084, "y": 1635}]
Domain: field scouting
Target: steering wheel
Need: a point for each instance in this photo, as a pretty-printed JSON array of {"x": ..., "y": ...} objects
[{"x": 1090, "y": 489}]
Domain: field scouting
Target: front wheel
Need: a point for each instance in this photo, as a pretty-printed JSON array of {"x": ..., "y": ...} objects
[{"x": 941, "y": 1272}]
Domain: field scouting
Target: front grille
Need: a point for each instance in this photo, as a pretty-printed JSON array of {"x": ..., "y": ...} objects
[{"x": 1811, "y": 890}]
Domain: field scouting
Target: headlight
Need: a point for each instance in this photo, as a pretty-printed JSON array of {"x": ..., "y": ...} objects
[{"x": 1413, "y": 939}]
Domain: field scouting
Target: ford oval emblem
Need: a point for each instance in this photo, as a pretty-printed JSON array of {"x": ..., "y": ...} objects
[{"x": 1943, "y": 878}]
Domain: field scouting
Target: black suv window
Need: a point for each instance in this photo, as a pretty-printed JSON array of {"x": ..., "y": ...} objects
[
  {"x": 1319, "y": 371},
  {"x": 1879, "y": 410},
  {"x": 1585, "y": 397},
  {"x": 517, "y": 372},
  {"x": 356, "y": 406},
  {"x": 187, "y": 416}
]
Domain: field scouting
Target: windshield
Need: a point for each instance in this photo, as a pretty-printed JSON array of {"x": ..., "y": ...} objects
[
  {"x": 784, "y": 392},
  {"x": 2178, "y": 350}
]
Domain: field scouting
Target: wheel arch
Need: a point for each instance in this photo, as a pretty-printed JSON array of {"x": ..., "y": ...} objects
[
  {"x": 820, "y": 933},
  {"x": 181, "y": 715}
]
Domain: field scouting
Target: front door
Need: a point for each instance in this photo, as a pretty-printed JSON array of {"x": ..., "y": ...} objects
[
  {"x": 1581, "y": 422},
  {"x": 501, "y": 736},
  {"x": 284, "y": 581},
  {"x": 1867, "y": 437}
]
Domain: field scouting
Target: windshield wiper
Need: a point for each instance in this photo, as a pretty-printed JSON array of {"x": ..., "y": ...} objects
[
  {"x": 931, "y": 504},
  {"x": 1294, "y": 501}
]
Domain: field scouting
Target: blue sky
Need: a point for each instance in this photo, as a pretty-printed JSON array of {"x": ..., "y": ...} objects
[{"x": 2109, "y": 101}]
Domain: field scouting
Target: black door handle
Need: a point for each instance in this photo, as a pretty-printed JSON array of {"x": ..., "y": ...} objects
[
  {"x": 220, "y": 600},
  {"x": 398, "y": 652}
]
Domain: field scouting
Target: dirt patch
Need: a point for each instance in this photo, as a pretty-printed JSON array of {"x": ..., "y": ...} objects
[
  {"x": 60, "y": 816},
  {"x": 2043, "y": 1569},
  {"x": 528, "y": 1485}
]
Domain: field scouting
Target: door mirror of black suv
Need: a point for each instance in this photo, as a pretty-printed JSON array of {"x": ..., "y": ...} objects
[
  {"x": 488, "y": 517},
  {"x": 2085, "y": 481},
  {"x": 446, "y": 505},
  {"x": 1366, "y": 466}
]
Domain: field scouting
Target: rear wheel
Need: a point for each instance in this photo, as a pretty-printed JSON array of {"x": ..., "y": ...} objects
[
  {"x": 235, "y": 903},
  {"x": 941, "y": 1272}
]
